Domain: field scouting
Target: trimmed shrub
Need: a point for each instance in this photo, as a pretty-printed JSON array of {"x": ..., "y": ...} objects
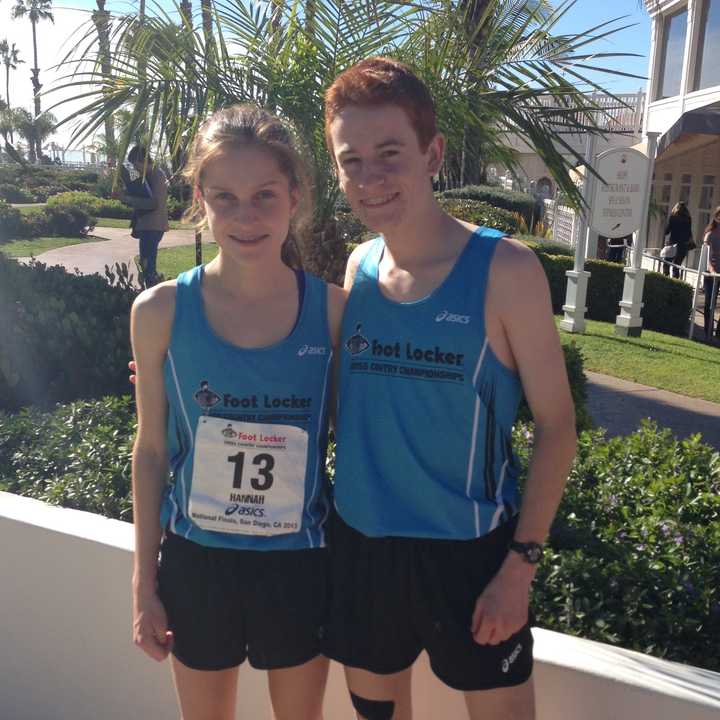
[
  {"x": 481, "y": 213},
  {"x": 513, "y": 201},
  {"x": 34, "y": 224},
  {"x": 578, "y": 388},
  {"x": 65, "y": 337},
  {"x": 542, "y": 245},
  {"x": 77, "y": 456},
  {"x": 10, "y": 222},
  {"x": 666, "y": 301},
  {"x": 175, "y": 208},
  {"x": 71, "y": 222},
  {"x": 14, "y": 194},
  {"x": 44, "y": 192},
  {"x": 633, "y": 556}
]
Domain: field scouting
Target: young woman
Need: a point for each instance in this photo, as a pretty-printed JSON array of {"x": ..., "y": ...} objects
[
  {"x": 233, "y": 368},
  {"x": 679, "y": 229},
  {"x": 712, "y": 240}
]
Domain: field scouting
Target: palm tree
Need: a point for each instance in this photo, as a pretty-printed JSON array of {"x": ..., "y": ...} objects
[
  {"x": 101, "y": 19},
  {"x": 522, "y": 77},
  {"x": 35, "y": 130},
  {"x": 36, "y": 10},
  {"x": 10, "y": 56}
]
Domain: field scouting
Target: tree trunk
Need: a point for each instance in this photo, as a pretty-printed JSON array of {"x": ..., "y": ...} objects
[
  {"x": 101, "y": 18},
  {"x": 36, "y": 74},
  {"x": 7, "y": 95}
]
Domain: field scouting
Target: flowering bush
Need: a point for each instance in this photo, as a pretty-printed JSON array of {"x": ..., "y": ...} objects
[{"x": 634, "y": 551}]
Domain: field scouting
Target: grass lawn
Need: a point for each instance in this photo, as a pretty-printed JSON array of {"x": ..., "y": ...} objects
[
  {"x": 25, "y": 209},
  {"x": 663, "y": 361},
  {"x": 172, "y": 261},
  {"x": 120, "y": 223},
  {"x": 25, "y": 248}
]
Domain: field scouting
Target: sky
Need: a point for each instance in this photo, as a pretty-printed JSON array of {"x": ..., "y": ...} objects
[{"x": 54, "y": 40}]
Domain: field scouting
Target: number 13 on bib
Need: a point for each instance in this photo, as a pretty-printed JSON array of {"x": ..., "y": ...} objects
[{"x": 248, "y": 478}]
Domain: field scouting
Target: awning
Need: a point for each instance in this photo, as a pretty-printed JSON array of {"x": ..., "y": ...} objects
[{"x": 691, "y": 128}]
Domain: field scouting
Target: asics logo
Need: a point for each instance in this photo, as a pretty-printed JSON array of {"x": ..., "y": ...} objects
[
  {"x": 510, "y": 659},
  {"x": 312, "y": 350},
  {"x": 446, "y": 316}
]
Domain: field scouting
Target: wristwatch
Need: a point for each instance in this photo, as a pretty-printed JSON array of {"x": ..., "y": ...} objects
[{"x": 532, "y": 552}]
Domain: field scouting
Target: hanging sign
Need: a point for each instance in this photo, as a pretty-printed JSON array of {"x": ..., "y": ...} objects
[{"x": 616, "y": 205}]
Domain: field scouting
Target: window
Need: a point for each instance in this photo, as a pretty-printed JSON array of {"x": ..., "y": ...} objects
[
  {"x": 664, "y": 190},
  {"x": 685, "y": 187},
  {"x": 707, "y": 200},
  {"x": 671, "y": 58},
  {"x": 707, "y": 70}
]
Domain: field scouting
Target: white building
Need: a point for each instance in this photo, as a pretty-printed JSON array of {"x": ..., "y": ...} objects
[
  {"x": 683, "y": 105},
  {"x": 620, "y": 117}
]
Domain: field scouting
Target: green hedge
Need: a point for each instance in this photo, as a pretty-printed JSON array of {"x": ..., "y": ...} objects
[
  {"x": 495, "y": 196},
  {"x": 64, "y": 336},
  {"x": 77, "y": 456},
  {"x": 91, "y": 204},
  {"x": 634, "y": 550},
  {"x": 11, "y": 222},
  {"x": 36, "y": 183},
  {"x": 578, "y": 388},
  {"x": 666, "y": 301},
  {"x": 59, "y": 221},
  {"x": 109, "y": 208},
  {"x": 481, "y": 213}
]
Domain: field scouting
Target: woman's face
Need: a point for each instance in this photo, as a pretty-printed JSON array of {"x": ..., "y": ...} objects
[{"x": 248, "y": 203}]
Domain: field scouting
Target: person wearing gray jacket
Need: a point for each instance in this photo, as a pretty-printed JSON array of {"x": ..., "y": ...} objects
[{"x": 150, "y": 221}]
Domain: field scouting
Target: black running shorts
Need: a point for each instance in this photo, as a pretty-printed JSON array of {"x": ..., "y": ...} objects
[
  {"x": 393, "y": 597},
  {"x": 227, "y": 605}
]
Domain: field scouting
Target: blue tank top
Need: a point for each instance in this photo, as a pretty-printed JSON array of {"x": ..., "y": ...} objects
[
  {"x": 247, "y": 429},
  {"x": 426, "y": 408}
]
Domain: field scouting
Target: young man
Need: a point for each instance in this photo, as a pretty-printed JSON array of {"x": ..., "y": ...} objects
[{"x": 445, "y": 326}]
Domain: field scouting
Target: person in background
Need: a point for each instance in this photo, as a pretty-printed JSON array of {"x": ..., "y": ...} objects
[
  {"x": 679, "y": 228},
  {"x": 712, "y": 240},
  {"x": 150, "y": 221},
  {"x": 616, "y": 248}
]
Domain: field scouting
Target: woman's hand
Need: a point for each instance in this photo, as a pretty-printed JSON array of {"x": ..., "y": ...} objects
[{"x": 150, "y": 626}]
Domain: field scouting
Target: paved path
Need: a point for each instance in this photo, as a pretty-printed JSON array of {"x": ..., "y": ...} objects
[
  {"x": 117, "y": 247},
  {"x": 619, "y": 405}
]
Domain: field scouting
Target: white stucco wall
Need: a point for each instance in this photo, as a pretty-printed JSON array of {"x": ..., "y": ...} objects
[{"x": 65, "y": 650}]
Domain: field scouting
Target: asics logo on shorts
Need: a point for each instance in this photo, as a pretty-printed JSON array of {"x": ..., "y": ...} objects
[
  {"x": 510, "y": 659},
  {"x": 446, "y": 316},
  {"x": 312, "y": 350}
]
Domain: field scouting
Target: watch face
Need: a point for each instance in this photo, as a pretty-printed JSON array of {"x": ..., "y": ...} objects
[{"x": 534, "y": 553}]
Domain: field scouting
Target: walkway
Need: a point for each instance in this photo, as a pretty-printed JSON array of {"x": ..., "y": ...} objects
[
  {"x": 117, "y": 247},
  {"x": 619, "y": 406}
]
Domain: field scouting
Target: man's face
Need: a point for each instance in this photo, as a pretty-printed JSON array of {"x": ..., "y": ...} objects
[{"x": 381, "y": 168}]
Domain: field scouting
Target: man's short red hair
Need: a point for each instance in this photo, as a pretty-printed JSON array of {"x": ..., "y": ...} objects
[{"x": 382, "y": 81}]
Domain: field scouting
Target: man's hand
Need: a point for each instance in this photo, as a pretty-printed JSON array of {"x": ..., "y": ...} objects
[
  {"x": 150, "y": 626},
  {"x": 133, "y": 370},
  {"x": 502, "y": 608}
]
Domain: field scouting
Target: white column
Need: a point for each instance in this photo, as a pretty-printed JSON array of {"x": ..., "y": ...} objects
[
  {"x": 629, "y": 322},
  {"x": 577, "y": 278},
  {"x": 653, "y": 65}
]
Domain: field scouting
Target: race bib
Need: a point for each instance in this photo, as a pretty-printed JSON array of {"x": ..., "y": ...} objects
[{"x": 248, "y": 478}]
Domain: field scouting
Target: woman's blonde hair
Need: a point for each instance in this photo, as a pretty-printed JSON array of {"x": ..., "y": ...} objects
[{"x": 251, "y": 126}]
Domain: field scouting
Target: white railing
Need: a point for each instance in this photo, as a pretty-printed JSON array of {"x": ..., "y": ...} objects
[
  {"x": 65, "y": 650},
  {"x": 620, "y": 114}
]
